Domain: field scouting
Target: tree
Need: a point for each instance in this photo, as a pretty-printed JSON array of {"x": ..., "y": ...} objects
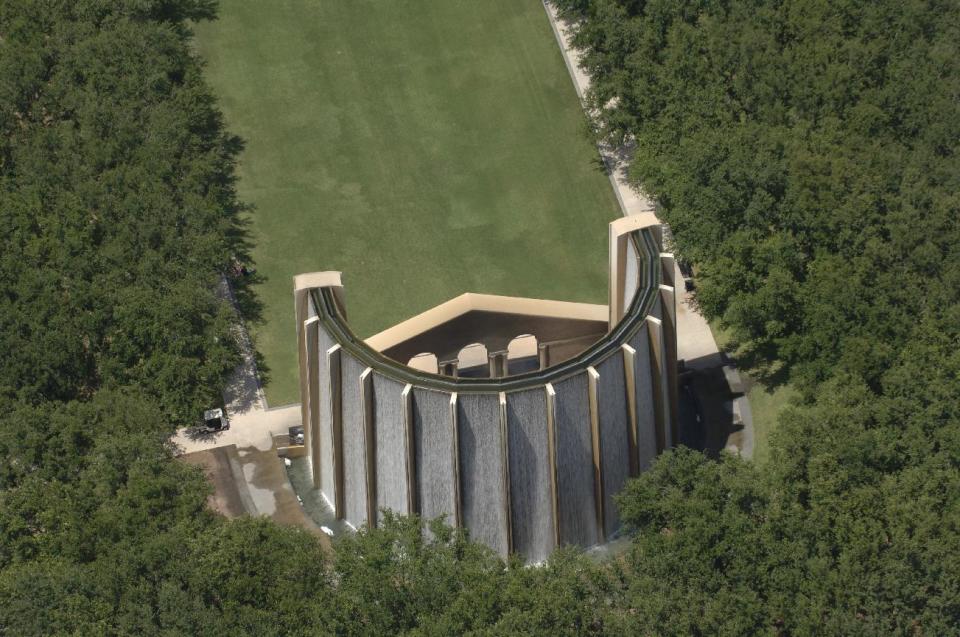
[{"x": 806, "y": 157}]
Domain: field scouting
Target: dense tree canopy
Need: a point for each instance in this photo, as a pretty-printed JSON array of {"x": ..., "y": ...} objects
[
  {"x": 117, "y": 214},
  {"x": 116, "y": 187},
  {"x": 805, "y": 154}
]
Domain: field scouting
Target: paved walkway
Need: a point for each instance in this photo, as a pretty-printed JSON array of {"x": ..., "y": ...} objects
[{"x": 695, "y": 345}]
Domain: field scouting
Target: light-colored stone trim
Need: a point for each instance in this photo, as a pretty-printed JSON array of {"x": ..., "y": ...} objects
[
  {"x": 454, "y": 424},
  {"x": 311, "y": 280},
  {"x": 552, "y": 460},
  {"x": 630, "y": 385},
  {"x": 368, "y": 433},
  {"x": 668, "y": 300},
  {"x": 657, "y": 373},
  {"x": 619, "y": 232},
  {"x": 410, "y": 450},
  {"x": 311, "y": 328},
  {"x": 471, "y": 302},
  {"x": 593, "y": 380},
  {"x": 336, "y": 430},
  {"x": 505, "y": 471}
]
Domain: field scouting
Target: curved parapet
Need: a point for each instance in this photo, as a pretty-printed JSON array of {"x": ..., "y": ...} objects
[{"x": 527, "y": 451}]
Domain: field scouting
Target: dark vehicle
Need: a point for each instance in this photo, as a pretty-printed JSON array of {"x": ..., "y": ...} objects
[
  {"x": 296, "y": 435},
  {"x": 693, "y": 431},
  {"x": 215, "y": 420},
  {"x": 687, "y": 272}
]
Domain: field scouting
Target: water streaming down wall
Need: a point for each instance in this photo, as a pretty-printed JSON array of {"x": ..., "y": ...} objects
[
  {"x": 435, "y": 481},
  {"x": 325, "y": 461},
  {"x": 614, "y": 436},
  {"x": 354, "y": 443},
  {"x": 646, "y": 410},
  {"x": 526, "y": 463},
  {"x": 483, "y": 499},
  {"x": 391, "y": 463},
  {"x": 531, "y": 499},
  {"x": 575, "y": 470}
]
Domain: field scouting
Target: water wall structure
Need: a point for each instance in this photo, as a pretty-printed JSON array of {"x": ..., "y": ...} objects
[{"x": 526, "y": 451}]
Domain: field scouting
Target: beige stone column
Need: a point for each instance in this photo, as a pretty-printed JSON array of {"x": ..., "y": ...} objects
[
  {"x": 593, "y": 379},
  {"x": 630, "y": 385},
  {"x": 369, "y": 444},
  {"x": 410, "y": 450},
  {"x": 302, "y": 285},
  {"x": 552, "y": 459},
  {"x": 543, "y": 355},
  {"x": 454, "y": 424},
  {"x": 505, "y": 472},
  {"x": 497, "y": 363},
  {"x": 668, "y": 300},
  {"x": 336, "y": 429},
  {"x": 658, "y": 377},
  {"x": 311, "y": 328}
]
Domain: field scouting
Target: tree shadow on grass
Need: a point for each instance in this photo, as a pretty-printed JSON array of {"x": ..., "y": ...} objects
[
  {"x": 760, "y": 361},
  {"x": 243, "y": 279}
]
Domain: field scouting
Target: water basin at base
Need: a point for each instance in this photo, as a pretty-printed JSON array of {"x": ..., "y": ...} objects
[{"x": 314, "y": 504}]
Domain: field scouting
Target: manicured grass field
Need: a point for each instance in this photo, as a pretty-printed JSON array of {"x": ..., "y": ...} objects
[{"x": 423, "y": 148}]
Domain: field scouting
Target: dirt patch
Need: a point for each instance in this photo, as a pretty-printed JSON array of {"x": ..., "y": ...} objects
[
  {"x": 250, "y": 481},
  {"x": 220, "y": 466}
]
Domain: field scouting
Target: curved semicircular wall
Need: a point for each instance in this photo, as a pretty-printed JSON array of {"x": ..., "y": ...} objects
[{"x": 527, "y": 462}]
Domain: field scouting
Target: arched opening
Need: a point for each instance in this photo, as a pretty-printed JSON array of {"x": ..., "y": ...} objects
[
  {"x": 472, "y": 361},
  {"x": 425, "y": 362},
  {"x": 522, "y": 354}
]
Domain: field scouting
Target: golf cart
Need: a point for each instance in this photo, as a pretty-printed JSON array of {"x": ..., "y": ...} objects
[{"x": 215, "y": 420}]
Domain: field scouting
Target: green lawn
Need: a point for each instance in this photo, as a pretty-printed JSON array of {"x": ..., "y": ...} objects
[{"x": 424, "y": 149}]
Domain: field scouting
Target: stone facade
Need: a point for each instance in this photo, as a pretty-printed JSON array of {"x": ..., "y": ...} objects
[{"x": 526, "y": 462}]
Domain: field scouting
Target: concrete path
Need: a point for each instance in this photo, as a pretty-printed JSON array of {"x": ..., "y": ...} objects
[
  {"x": 616, "y": 160},
  {"x": 695, "y": 345}
]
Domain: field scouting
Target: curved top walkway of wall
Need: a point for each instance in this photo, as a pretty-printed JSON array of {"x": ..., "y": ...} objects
[{"x": 639, "y": 292}]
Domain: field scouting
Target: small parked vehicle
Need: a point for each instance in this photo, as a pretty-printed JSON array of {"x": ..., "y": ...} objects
[
  {"x": 215, "y": 420},
  {"x": 296, "y": 435},
  {"x": 687, "y": 272}
]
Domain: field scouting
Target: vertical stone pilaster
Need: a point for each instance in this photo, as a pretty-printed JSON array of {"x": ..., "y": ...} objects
[
  {"x": 497, "y": 364},
  {"x": 505, "y": 470},
  {"x": 668, "y": 300},
  {"x": 543, "y": 355},
  {"x": 659, "y": 381},
  {"x": 368, "y": 431},
  {"x": 618, "y": 275},
  {"x": 457, "y": 501},
  {"x": 336, "y": 430},
  {"x": 311, "y": 328},
  {"x": 593, "y": 379},
  {"x": 552, "y": 456},
  {"x": 630, "y": 383},
  {"x": 448, "y": 368},
  {"x": 300, "y": 300},
  {"x": 410, "y": 450}
]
